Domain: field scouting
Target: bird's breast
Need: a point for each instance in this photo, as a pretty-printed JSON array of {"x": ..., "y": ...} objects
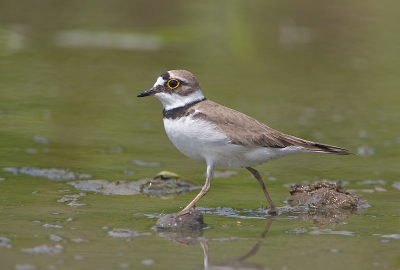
[{"x": 195, "y": 138}]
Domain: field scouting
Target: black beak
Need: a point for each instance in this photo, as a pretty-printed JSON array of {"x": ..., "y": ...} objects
[{"x": 149, "y": 92}]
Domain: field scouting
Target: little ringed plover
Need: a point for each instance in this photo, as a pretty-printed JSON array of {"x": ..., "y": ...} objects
[{"x": 219, "y": 136}]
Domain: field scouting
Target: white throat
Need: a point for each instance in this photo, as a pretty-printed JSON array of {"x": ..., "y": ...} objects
[{"x": 174, "y": 100}]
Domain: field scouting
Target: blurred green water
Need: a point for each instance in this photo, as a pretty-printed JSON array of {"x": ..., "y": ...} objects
[{"x": 322, "y": 71}]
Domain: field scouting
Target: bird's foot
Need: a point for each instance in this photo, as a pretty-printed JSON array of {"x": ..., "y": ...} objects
[
  {"x": 185, "y": 211},
  {"x": 273, "y": 211}
]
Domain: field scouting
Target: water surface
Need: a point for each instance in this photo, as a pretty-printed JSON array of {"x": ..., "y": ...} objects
[{"x": 69, "y": 76}]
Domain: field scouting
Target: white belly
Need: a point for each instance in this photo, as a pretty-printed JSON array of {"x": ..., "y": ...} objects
[
  {"x": 195, "y": 138},
  {"x": 201, "y": 141}
]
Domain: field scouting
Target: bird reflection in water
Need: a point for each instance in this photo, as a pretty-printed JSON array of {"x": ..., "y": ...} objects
[{"x": 194, "y": 237}]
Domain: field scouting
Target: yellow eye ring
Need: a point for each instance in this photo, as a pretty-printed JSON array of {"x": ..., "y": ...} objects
[{"x": 173, "y": 83}]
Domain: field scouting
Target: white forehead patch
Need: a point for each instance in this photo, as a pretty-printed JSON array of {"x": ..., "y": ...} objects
[{"x": 160, "y": 81}]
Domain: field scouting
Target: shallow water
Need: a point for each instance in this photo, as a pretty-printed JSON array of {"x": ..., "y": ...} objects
[{"x": 69, "y": 76}]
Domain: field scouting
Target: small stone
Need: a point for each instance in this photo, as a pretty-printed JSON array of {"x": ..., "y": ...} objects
[
  {"x": 125, "y": 233},
  {"x": 298, "y": 230},
  {"x": 78, "y": 240},
  {"x": 52, "y": 226},
  {"x": 55, "y": 238},
  {"x": 396, "y": 185},
  {"x": 52, "y": 173},
  {"x": 75, "y": 204},
  {"x": 192, "y": 221},
  {"x": 4, "y": 241},
  {"x": 393, "y": 236},
  {"x": 371, "y": 182},
  {"x": 325, "y": 195},
  {"x": 317, "y": 231},
  {"x": 116, "y": 149},
  {"x": 44, "y": 249},
  {"x": 365, "y": 151},
  {"x": 148, "y": 262},
  {"x": 25, "y": 267},
  {"x": 124, "y": 265},
  {"x": 145, "y": 164},
  {"x": 42, "y": 140}
]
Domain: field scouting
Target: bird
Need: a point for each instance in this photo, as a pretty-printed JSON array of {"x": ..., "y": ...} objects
[{"x": 208, "y": 132}]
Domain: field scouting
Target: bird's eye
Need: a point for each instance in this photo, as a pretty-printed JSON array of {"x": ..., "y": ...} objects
[{"x": 173, "y": 83}]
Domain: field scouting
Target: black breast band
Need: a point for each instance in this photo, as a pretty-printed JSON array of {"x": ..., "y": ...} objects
[{"x": 180, "y": 111}]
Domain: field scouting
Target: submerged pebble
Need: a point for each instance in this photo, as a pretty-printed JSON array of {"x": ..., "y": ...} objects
[
  {"x": 318, "y": 231},
  {"x": 31, "y": 150},
  {"x": 393, "y": 236},
  {"x": 116, "y": 149},
  {"x": 44, "y": 249},
  {"x": 298, "y": 230},
  {"x": 380, "y": 189},
  {"x": 124, "y": 265},
  {"x": 78, "y": 240},
  {"x": 55, "y": 238},
  {"x": 125, "y": 233},
  {"x": 396, "y": 185},
  {"x": 145, "y": 164},
  {"x": 371, "y": 182},
  {"x": 52, "y": 173},
  {"x": 42, "y": 140},
  {"x": 4, "y": 241},
  {"x": 148, "y": 262},
  {"x": 365, "y": 151},
  {"x": 75, "y": 204},
  {"x": 52, "y": 226},
  {"x": 25, "y": 267},
  {"x": 73, "y": 197}
]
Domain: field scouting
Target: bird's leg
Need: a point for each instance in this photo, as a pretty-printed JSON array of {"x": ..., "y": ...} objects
[
  {"x": 272, "y": 208},
  {"x": 204, "y": 190}
]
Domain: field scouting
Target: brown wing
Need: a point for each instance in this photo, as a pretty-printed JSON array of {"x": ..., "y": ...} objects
[{"x": 244, "y": 130}]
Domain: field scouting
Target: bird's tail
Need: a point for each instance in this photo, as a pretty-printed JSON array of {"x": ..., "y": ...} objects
[
  {"x": 289, "y": 140},
  {"x": 328, "y": 149}
]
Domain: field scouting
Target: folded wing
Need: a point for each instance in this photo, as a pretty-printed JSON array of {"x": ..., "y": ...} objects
[{"x": 244, "y": 130}]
